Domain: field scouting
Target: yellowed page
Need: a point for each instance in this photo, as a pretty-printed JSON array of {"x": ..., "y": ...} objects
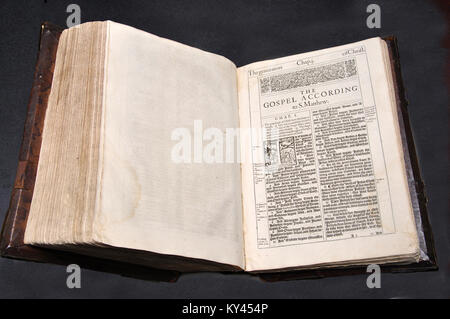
[
  {"x": 65, "y": 191},
  {"x": 147, "y": 201},
  {"x": 325, "y": 182}
]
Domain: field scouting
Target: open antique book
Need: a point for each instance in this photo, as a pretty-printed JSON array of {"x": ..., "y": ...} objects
[{"x": 160, "y": 154}]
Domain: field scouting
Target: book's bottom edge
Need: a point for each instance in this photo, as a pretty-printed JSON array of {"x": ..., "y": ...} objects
[{"x": 45, "y": 255}]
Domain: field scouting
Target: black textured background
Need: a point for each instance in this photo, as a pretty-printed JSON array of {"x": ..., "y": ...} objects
[{"x": 243, "y": 32}]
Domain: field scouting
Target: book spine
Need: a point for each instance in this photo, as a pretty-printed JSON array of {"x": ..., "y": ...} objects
[{"x": 11, "y": 240}]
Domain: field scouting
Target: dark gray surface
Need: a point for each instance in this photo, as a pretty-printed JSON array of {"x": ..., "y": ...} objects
[{"x": 243, "y": 32}]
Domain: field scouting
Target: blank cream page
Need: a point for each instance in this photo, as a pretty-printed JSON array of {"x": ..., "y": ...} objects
[{"x": 147, "y": 201}]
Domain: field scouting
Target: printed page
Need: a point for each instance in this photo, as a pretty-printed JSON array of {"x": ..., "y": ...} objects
[
  {"x": 322, "y": 172},
  {"x": 160, "y": 94}
]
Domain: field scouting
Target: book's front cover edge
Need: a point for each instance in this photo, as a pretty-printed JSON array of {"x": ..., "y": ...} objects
[
  {"x": 13, "y": 230},
  {"x": 411, "y": 157}
]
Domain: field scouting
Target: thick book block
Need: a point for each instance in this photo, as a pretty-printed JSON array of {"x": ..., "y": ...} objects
[{"x": 12, "y": 243}]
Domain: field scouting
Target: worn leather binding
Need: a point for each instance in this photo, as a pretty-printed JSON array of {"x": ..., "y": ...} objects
[{"x": 11, "y": 240}]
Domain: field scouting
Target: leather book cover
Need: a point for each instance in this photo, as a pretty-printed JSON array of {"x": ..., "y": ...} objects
[{"x": 11, "y": 240}]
